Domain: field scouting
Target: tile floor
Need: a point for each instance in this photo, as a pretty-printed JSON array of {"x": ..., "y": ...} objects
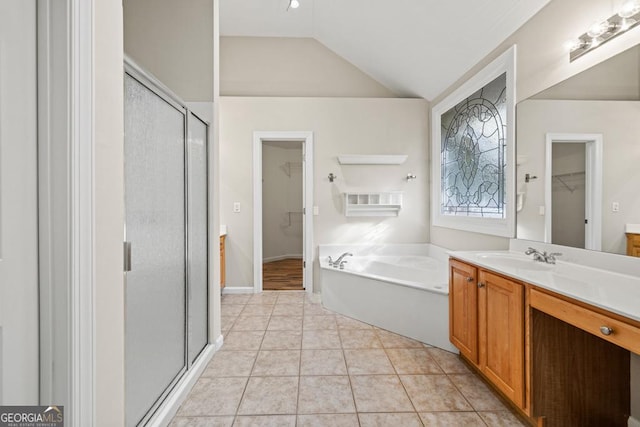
[{"x": 287, "y": 361}]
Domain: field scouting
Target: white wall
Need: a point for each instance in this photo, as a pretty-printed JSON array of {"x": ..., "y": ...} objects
[
  {"x": 278, "y": 66},
  {"x": 340, "y": 126},
  {"x": 174, "y": 41},
  {"x": 281, "y": 202},
  {"x": 618, "y": 122},
  {"x": 109, "y": 214}
]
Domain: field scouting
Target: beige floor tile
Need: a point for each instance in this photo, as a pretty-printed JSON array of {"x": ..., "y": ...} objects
[
  {"x": 291, "y": 298},
  {"x": 250, "y": 323},
  {"x": 270, "y": 396},
  {"x": 325, "y": 420},
  {"x": 434, "y": 393},
  {"x": 451, "y": 419},
  {"x": 231, "y": 309},
  {"x": 323, "y": 362},
  {"x": 288, "y": 310},
  {"x": 349, "y": 323},
  {"x": 315, "y": 323},
  {"x": 263, "y": 298},
  {"x": 227, "y": 322},
  {"x": 235, "y": 298},
  {"x": 257, "y": 310},
  {"x": 359, "y": 339},
  {"x": 313, "y": 299},
  {"x": 368, "y": 362},
  {"x": 477, "y": 393},
  {"x": 327, "y": 339},
  {"x": 202, "y": 422},
  {"x": 231, "y": 364},
  {"x": 285, "y": 323},
  {"x": 450, "y": 363},
  {"x": 242, "y": 340},
  {"x": 392, "y": 340},
  {"x": 412, "y": 361},
  {"x": 501, "y": 419},
  {"x": 265, "y": 421},
  {"x": 380, "y": 393},
  {"x": 316, "y": 310},
  {"x": 214, "y": 396},
  {"x": 277, "y": 363},
  {"x": 384, "y": 420},
  {"x": 325, "y": 394},
  {"x": 282, "y": 340}
]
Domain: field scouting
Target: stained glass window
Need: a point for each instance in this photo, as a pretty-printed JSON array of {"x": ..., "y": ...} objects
[{"x": 473, "y": 152}]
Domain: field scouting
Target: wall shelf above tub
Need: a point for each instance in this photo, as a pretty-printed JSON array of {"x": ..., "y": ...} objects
[
  {"x": 372, "y": 159},
  {"x": 373, "y": 204}
]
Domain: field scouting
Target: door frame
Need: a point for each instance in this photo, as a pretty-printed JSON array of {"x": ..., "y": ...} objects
[
  {"x": 307, "y": 139},
  {"x": 593, "y": 184}
]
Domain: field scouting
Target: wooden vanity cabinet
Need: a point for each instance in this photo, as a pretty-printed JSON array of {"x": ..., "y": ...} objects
[
  {"x": 486, "y": 323},
  {"x": 633, "y": 244},
  {"x": 463, "y": 309}
]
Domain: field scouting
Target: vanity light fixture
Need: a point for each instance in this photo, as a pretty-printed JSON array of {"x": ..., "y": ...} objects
[
  {"x": 602, "y": 31},
  {"x": 293, "y": 4}
]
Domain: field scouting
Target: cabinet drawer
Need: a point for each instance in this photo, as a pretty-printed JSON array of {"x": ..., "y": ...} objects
[
  {"x": 634, "y": 239},
  {"x": 621, "y": 333}
]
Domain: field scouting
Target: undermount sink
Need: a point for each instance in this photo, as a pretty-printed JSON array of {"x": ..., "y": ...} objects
[{"x": 515, "y": 261}]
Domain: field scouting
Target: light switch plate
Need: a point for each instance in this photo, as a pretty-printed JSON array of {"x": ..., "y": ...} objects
[{"x": 236, "y": 207}]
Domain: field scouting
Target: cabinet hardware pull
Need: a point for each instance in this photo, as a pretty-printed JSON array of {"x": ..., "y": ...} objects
[
  {"x": 480, "y": 285},
  {"x": 469, "y": 279},
  {"x": 606, "y": 330}
]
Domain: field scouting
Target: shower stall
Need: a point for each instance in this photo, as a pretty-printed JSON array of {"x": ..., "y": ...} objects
[{"x": 166, "y": 241}]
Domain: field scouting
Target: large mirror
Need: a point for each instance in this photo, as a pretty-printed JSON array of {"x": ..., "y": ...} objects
[{"x": 578, "y": 158}]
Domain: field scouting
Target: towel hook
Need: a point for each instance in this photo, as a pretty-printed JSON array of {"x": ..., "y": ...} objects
[
  {"x": 332, "y": 177},
  {"x": 410, "y": 176}
]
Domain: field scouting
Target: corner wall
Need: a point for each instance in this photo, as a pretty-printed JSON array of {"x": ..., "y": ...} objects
[{"x": 340, "y": 126}]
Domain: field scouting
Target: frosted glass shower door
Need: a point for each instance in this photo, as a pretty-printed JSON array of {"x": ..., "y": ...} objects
[
  {"x": 155, "y": 227},
  {"x": 198, "y": 236}
]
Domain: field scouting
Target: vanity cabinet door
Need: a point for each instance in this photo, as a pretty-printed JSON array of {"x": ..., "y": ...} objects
[
  {"x": 501, "y": 333},
  {"x": 463, "y": 313}
]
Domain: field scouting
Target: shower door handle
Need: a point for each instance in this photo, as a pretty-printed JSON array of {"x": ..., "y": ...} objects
[{"x": 127, "y": 256}]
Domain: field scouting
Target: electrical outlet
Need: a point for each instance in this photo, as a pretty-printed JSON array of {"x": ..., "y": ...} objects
[
  {"x": 316, "y": 211},
  {"x": 236, "y": 207},
  {"x": 615, "y": 207},
  {"x": 541, "y": 210}
]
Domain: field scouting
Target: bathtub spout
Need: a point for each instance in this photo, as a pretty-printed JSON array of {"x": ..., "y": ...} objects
[{"x": 337, "y": 262}]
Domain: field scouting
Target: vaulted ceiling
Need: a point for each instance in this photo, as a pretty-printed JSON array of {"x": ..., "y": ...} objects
[{"x": 417, "y": 48}]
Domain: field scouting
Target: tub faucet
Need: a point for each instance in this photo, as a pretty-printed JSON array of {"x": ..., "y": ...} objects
[{"x": 337, "y": 262}]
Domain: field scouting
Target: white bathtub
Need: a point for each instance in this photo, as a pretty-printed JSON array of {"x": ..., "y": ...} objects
[{"x": 402, "y": 288}]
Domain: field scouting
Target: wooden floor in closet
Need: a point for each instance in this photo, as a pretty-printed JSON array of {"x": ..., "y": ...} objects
[{"x": 283, "y": 275}]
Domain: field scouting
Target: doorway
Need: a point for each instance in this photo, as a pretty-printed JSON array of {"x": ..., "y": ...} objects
[
  {"x": 283, "y": 202},
  {"x": 282, "y": 208},
  {"x": 573, "y": 193}
]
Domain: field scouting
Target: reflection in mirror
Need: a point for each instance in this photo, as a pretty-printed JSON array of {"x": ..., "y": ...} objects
[{"x": 566, "y": 200}]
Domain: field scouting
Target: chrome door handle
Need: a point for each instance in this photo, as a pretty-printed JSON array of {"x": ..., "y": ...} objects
[{"x": 127, "y": 256}]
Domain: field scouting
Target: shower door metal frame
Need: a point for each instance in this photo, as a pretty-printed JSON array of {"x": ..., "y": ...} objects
[{"x": 150, "y": 82}]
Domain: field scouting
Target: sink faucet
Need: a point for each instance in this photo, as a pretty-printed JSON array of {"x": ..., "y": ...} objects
[
  {"x": 542, "y": 256},
  {"x": 337, "y": 262}
]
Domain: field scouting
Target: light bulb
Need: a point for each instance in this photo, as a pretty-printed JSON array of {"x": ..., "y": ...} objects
[
  {"x": 573, "y": 45},
  {"x": 626, "y": 23},
  {"x": 629, "y": 9},
  {"x": 294, "y": 4},
  {"x": 598, "y": 28}
]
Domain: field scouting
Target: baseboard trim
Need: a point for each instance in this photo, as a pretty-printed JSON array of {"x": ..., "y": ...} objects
[
  {"x": 171, "y": 404},
  {"x": 633, "y": 422},
  {"x": 281, "y": 257},
  {"x": 237, "y": 290}
]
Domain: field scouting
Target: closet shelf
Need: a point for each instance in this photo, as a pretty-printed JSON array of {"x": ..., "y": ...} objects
[
  {"x": 373, "y": 204},
  {"x": 372, "y": 159}
]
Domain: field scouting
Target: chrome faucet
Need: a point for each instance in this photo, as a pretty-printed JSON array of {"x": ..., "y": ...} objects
[
  {"x": 336, "y": 263},
  {"x": 543, "y": 256}
]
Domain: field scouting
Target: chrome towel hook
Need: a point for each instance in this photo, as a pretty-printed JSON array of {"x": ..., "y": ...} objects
[{"x": 332, "y": 177}]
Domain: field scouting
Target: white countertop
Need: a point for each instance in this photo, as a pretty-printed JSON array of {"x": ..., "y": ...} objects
[
  {"x": 632, "y": 228},
  {"x": 223, "y": 230},
  {"x": 609, "y": 290}
]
